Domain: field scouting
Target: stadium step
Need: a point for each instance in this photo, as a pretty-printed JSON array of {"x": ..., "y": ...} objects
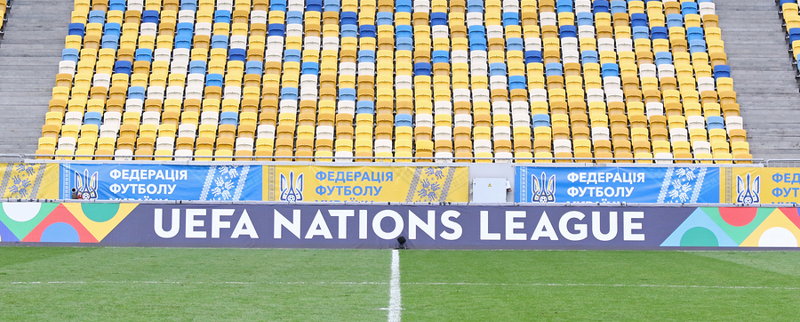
[
  {"x": 29, "y": 55},
  {"x": 763, "y": 75}
]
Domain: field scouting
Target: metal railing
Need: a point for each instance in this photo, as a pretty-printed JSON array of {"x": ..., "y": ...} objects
[{"x": 195, "y": 159}]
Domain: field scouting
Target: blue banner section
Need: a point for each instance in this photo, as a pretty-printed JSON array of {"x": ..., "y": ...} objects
[
  {"x": 160, "y": 182},
  {"x": 617, "y": 184}
]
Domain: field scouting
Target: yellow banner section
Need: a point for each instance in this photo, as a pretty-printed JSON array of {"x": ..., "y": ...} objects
[
  {"x": 366, "y": 184},
  {"x": 29, "y": 180},
  {"x": 759, "y": 185}
]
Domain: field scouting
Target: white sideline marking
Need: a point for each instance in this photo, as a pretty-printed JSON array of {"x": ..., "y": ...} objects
[
  {"x": 395, "y": 298},
  {"x": 726, "y": 287}
]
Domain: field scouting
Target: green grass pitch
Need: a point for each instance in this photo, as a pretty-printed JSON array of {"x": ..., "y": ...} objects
[{"x": 153, "y": 284}]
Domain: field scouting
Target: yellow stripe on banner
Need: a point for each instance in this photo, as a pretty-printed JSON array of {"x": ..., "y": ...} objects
[
  {"x": 366, "y": 184},
  {"x": 760, "y": 185},
  {"x": 48, "y": 189},
  {"x": 29, "y": 181}
]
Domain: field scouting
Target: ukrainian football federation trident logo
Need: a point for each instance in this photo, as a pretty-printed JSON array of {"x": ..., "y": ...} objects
[
  {"x": 544, "y": 190},
  {"x": 746, "y": 191},
  {"x": 85, "y": 187},
  {"x": 291, "y": 190}
]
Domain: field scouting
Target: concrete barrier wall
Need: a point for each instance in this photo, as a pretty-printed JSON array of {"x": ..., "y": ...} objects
[{"x": 380, "y": 226}]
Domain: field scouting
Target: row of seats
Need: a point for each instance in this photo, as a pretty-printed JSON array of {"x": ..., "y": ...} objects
[
  {"x": 493, "y": 80},
  {"x": 791, "y": 21}
]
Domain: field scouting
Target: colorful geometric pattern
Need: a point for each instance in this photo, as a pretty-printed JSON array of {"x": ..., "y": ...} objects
[
  {"x": 704, "y": 227},
  {"x": 60, "y": 222},
  {"x": 738, "y": 227}
]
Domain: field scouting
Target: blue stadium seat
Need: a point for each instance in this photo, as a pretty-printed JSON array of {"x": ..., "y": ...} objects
[
  {"x": 94, "y": 118},
  {"x": 403, "y": 120},
  {"x": 568, "y": 31},
  {"x": 517, "y": 82},
  {"x": 515, "y": 44},
  {"x": 222, "y": 16},
  {"x": 693, "y": 33},
  {"x": 310, "y": 68},
  {"x": 237, "y": 54},
  {"x": 533, "y": 56},
  {"x": 331, "y": 5},
  {"x": 76, "y": 29},
  {"x": 554, "y": 69},
  {"x": 385, "y": 18},
  {"x": 254, "y": 67},
  {"x": 715, "y": 122},
  {"x": 313, "y": 5},
  {"x": 688, "y": 8},
  {"x": 289, "y": 93},
  {"x": 641, "y": 32},
  {"x": 219, "y": 41},
  {"x": 136, "y": 92},
  {"x": 367, "y": 31},
  {"x": 663, "y": 57},
  {"x": 697, "y": 46},
  {"x": 347, "y": 94},
  {"x": 441, "y": 56},
  {"x": 722, "y": 71},
  {"x": 215, "y": 80},
  {"x": 474, "y": 5},
  {"x": 349, "y": 30},
  {"x": 794, "y": 34},
  {"x": 585, "y": 19},
  {"x": 497, "y": 69},
  {"x": 674, "y": 20},
  {"x": 404, "y": 31},
  {"x": 276, "y": 29},
  {"x": 97, "y": 16},
  {"x": 365, "y": 107},
  {"x": 619, "y": 6},
  {"x": 116, "y": 5},
  {"x": 510, "y": 19},
  {"x": 600, "y": 6},
  {"x": 143, "y": 54},
  {"x": 589, "y": 56},
  {"x": 438, "y": 18},
  {"x": 197, "y": 67},
  {"x": 229, "y": 118},
  {"x": 638, "y": 20},
  {"x": 123, "y": 67},
  {"x": 70, "y": 54},
  {"x": 277, "y": 5},
  {"x": 292, "y": 55},
  {"x": 348, "y": 18},
  {"x": 659, "y": 33},
  {"x": 150, "y": 16},
  {"x": 189, "y": 5},
  {"x": 541, "y": 120},
  {"x": 422, "y": 69},
  {"x": 563, "y": 6},
  {"x": 610, "y": 70}
]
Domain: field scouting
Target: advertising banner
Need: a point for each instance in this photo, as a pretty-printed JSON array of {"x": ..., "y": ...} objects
[
  {"x": 747, "y": 185},
  {"x": 380, "y": 226},
  {"x": 616, "y": 185},
  {"x": 366, "y": 184},
  {"x": 98, "y": 181},
  {"x": 29, "y": 181}
]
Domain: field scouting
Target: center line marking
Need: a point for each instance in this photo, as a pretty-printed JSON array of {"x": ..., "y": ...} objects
[{"x": 395, "y": 300}]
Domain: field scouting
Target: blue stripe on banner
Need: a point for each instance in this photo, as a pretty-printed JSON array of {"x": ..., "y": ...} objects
[
  {"x": 617, "y": 185},
  {"x": 161, "y": 182}
]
